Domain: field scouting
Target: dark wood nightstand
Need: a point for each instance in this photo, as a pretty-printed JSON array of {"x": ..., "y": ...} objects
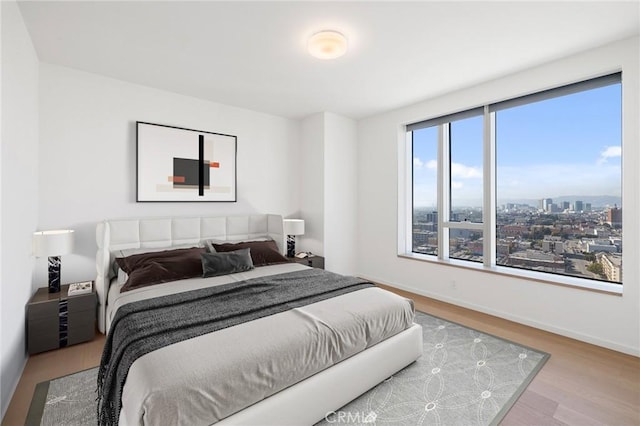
[
  {"x": 56, "y": 320},
  {"x": 313, "y": 261}
]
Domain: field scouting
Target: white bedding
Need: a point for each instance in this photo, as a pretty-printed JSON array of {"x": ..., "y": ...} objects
[
  {"x": 205, "y": 379},
  {"x": 117, "y": 299}
]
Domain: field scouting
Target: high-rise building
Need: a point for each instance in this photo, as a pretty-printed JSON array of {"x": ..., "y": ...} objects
[
  {"x": 614, "y": 217},
  {"x": 578, "y": 206},
  {"x": 587, "y": 207},
  {"x": 566, "y": 205},
  {"x": 546, "y": 202}
]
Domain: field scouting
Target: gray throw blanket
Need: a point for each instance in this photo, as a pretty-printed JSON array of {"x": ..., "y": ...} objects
[{"x": 144, "y": 326}]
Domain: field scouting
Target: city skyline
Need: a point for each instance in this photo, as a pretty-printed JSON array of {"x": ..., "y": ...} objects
[
  {"x": 614, "y": 201},
  {"x": 586, "y": 244}
]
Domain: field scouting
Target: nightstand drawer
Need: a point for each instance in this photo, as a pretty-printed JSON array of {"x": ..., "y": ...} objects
[
  {"x": 42, "y": 342},
  {"x": 43, "y": 326},
  {"x": 43, "y": 335},
  {"x": 313, "y": 261},
  {"x": 79, "y": 334},
  {"x": 82, "y": 302},
  {"x": 82, "y": 326},
  {"x": 45, "y": 310}
]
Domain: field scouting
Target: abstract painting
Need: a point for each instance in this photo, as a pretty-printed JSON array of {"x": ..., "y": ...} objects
[{"x": 177, "y": 164}]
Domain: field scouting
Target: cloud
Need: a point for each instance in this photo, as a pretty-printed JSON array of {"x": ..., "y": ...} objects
[
  {"x": 534, "y": 181},
  {"x": 461, "y": 171},
  {"x": 610, "y": 152},
  {"x": 458, "y": 170}
]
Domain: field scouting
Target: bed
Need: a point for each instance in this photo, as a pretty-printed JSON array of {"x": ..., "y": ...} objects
[{"x": 238, "y": 375}]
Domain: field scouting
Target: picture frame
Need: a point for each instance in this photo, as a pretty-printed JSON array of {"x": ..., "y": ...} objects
[{"x": 176, "y": 164}]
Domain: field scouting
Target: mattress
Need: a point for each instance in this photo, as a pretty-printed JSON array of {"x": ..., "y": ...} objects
[{"x": 205, "y": 379}]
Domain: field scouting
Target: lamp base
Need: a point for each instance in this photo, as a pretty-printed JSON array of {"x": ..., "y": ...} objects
[
  {"x": 54, "y": 274},
  {"x": 291, "y": 245}
]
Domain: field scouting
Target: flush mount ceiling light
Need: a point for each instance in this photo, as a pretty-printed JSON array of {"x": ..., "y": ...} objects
[{"x": 327, "y": 44}]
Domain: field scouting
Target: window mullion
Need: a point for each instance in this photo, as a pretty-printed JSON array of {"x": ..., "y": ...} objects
[
  {"x": 444, "y": 189},
  {"x": 489, "y": 186},
  {"x": 405, "y": 245}
]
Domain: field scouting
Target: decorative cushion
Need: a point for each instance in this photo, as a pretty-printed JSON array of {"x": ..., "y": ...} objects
[
  {"x": 159, "y": 267},
  {"x": 214, "y": 264},
  {"x": 262, "y": 252}
]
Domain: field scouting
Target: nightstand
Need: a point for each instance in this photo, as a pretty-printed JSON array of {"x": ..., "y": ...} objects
[
  {"x": 313, "y": 261},
  {"x": 56, "y": 320}
]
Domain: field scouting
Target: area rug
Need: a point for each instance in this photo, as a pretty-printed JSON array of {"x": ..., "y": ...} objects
[{"x": 464, "y": 377}]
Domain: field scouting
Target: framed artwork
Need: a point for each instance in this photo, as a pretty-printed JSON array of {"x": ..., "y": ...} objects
[{"x": 176, "y": 164}]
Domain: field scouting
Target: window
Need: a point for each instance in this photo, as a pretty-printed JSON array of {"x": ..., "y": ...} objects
[
  {"x": 425, "y": 189},
  {"x": 532, "y": 183}
]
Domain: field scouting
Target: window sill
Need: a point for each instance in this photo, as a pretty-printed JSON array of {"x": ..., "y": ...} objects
[{"x": 560, "y": 280}]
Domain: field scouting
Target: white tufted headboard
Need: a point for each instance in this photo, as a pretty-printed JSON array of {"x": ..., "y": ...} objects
[{"x": 121, "y": 234}]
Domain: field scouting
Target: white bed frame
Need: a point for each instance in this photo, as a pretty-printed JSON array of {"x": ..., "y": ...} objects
[
  {"x": 306, "y": 402},
  {"x": 150, "y": 232}
]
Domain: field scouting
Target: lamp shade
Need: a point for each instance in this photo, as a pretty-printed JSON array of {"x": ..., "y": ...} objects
[
  {"x": 294, "y": 227},
  {"x": 52, "y": 243}
]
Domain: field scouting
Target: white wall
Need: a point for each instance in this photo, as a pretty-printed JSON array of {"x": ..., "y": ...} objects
[
  {"x": 340, "y": 193},
  {"x": 88, "y": 157},
  {"x": 18, "y": 192},
  {"x": 311, "y": 180},
  {"x": 328, "y": 195},
  {"x": 607, "y": 320}
]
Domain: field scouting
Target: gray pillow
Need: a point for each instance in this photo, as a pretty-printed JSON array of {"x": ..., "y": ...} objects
[{"x": 214, "y": 264}]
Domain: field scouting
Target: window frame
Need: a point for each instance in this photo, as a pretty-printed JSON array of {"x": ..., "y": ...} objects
[{"x": 489, "y": 203}]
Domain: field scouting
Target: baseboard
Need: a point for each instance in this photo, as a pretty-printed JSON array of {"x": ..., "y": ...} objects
[
  {"x": 629, "y": 350},
  {"x": 6, "y": 402}
]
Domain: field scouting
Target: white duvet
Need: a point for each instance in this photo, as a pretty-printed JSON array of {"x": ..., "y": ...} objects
[{"x": 205, "y": 379}]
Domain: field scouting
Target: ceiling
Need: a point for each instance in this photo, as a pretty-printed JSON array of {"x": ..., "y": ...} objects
[{"x": 253, "y": 55}]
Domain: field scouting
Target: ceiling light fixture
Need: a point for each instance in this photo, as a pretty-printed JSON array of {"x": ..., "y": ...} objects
[{"x": 327, "y": 44}]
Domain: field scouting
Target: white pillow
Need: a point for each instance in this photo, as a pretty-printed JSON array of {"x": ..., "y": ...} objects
[{"x": 122, "y": 277}]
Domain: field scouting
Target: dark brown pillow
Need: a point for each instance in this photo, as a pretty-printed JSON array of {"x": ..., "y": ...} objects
[
  {"x": 262, "y": 252},
  {"x": 160, "y": 267}
]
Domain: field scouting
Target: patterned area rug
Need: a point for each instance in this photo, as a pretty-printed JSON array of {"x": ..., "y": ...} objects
[{"x": 465, "y": 377}]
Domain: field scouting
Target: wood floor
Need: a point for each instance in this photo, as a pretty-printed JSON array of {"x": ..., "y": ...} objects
[
  {"x": 581, "y": 384},
  {"x": 47, "y": 366}
]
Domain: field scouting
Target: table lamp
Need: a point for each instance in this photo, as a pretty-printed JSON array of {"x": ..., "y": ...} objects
[
  {"x": 53, "y": 244},
  {"x": 293, "y": 227}
]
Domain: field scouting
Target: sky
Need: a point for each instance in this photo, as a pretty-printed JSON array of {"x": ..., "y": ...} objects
[{"x": 569, "y": 145}]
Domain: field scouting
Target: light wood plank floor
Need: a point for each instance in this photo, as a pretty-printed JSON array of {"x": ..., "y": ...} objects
[
  {"x": 580, "y": 385},
  {"x": 47, "y": 366}
]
